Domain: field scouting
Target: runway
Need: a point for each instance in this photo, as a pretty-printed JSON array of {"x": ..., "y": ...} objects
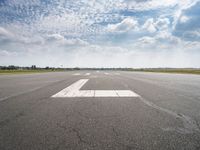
[{"x": 99, "y": 110}]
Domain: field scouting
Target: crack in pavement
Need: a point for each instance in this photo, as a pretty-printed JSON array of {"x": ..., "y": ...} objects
[
  {"x": 116, "y": 135},
  {"x": 190, "y": 125},
  {"x": 77, "y": 134}
]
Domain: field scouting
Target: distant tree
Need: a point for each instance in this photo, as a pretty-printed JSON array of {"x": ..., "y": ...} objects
[
  {"x": 33, "y": 67},
  {"x": 11, "y": 67},
  {"x": 76, "y": 68},
  {"x": 47, "y": 68}
]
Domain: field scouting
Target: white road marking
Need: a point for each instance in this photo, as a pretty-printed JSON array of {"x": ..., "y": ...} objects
[
  {"x": 87, "y": 74},
  {"x": 74, "y": 91},
  {"x": 106, "y": 93},
  {"x": 106, "y": 73},
  {"x": 77, "y": 74}
]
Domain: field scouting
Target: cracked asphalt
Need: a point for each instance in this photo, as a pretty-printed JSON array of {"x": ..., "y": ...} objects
[{"x": 166, "y": 116}]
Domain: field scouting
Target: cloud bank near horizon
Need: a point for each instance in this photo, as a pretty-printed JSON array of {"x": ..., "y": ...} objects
[{"x": 100, "y": 33}]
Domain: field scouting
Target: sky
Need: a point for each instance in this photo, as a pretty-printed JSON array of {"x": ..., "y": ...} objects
[{"x": 100, "y": 33}]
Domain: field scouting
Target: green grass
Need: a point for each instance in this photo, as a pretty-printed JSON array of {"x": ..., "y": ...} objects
[
  {"x": 158, "y": 70},
  {"x": 26, "y": 71},
  {"x": 179, "y": 71}
]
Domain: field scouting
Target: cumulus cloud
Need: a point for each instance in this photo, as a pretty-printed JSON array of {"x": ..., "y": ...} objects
[
  {"x": 187, "y": 25},
  {"x": 162, "y": 23},
  {"x": 149, "y": 25},
  {"x": 62, "y": 41},
  {"x": 100, "y": 33},
  {"x": 160, "y": 41},
  {"x": 124, "y": 26},
  {"x": 153, "y": 25},
  {"x": 184, "y": 19}
]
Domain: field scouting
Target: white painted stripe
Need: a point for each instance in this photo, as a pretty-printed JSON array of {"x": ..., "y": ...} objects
[
  {"x": 106, "y": 73},
  {"x": 85, "y": 93},
  {"x": 77, "y": 74},
  {"x": 74, "y": 91},
  {"x": 105, "y": 93}
]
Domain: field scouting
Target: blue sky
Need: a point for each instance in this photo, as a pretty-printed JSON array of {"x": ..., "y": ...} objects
[{"x": 100, "y": 33}]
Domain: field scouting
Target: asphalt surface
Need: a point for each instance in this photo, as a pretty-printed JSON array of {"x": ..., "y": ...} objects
[{"x": 165, "y": 116}]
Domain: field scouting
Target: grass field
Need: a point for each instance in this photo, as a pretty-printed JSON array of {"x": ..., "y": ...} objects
[
  {"x": 158, "y": 70},
  {"x": 26, "y": 71},
  {"x": 180, "y": 71}
]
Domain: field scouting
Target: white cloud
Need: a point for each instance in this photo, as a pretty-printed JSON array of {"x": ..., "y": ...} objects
[
  {"x": 146, "y": 52},
  {"x": 153, "y": 26},
  {"x": 184, "y": 19},
  {"x": 162, "y": 40},
  {"x": 17, "y": 36},
  {"x": 144, "y": 5},
  {"x": 187, "y": 23},
  {"x": 61, "y": 40},
  {"x": 62, "y": 32},
  {"x": 146, "y": 40},
  {"x": 5, "y": 34},
  {"x": 162, "y": 23},
  {"x": 21, "y": 3},
  {"x": 61, "y": 22},
  {"x": 149, "y": 25},
  {"x": 178, "y": 13},
  {"x": 125, "y": 25},
  {"x": 37, "y": 39},
  {"x": 6, "y": 53},
  {"x": 192, "y": 34}
]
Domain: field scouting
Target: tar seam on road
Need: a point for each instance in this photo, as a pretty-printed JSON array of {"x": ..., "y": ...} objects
[{"x": 190, "y": 125}]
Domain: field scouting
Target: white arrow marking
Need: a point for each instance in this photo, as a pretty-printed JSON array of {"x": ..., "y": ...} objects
[
  {"x": 77, "y": 74},
  {"x": 74, "y": 91}
]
